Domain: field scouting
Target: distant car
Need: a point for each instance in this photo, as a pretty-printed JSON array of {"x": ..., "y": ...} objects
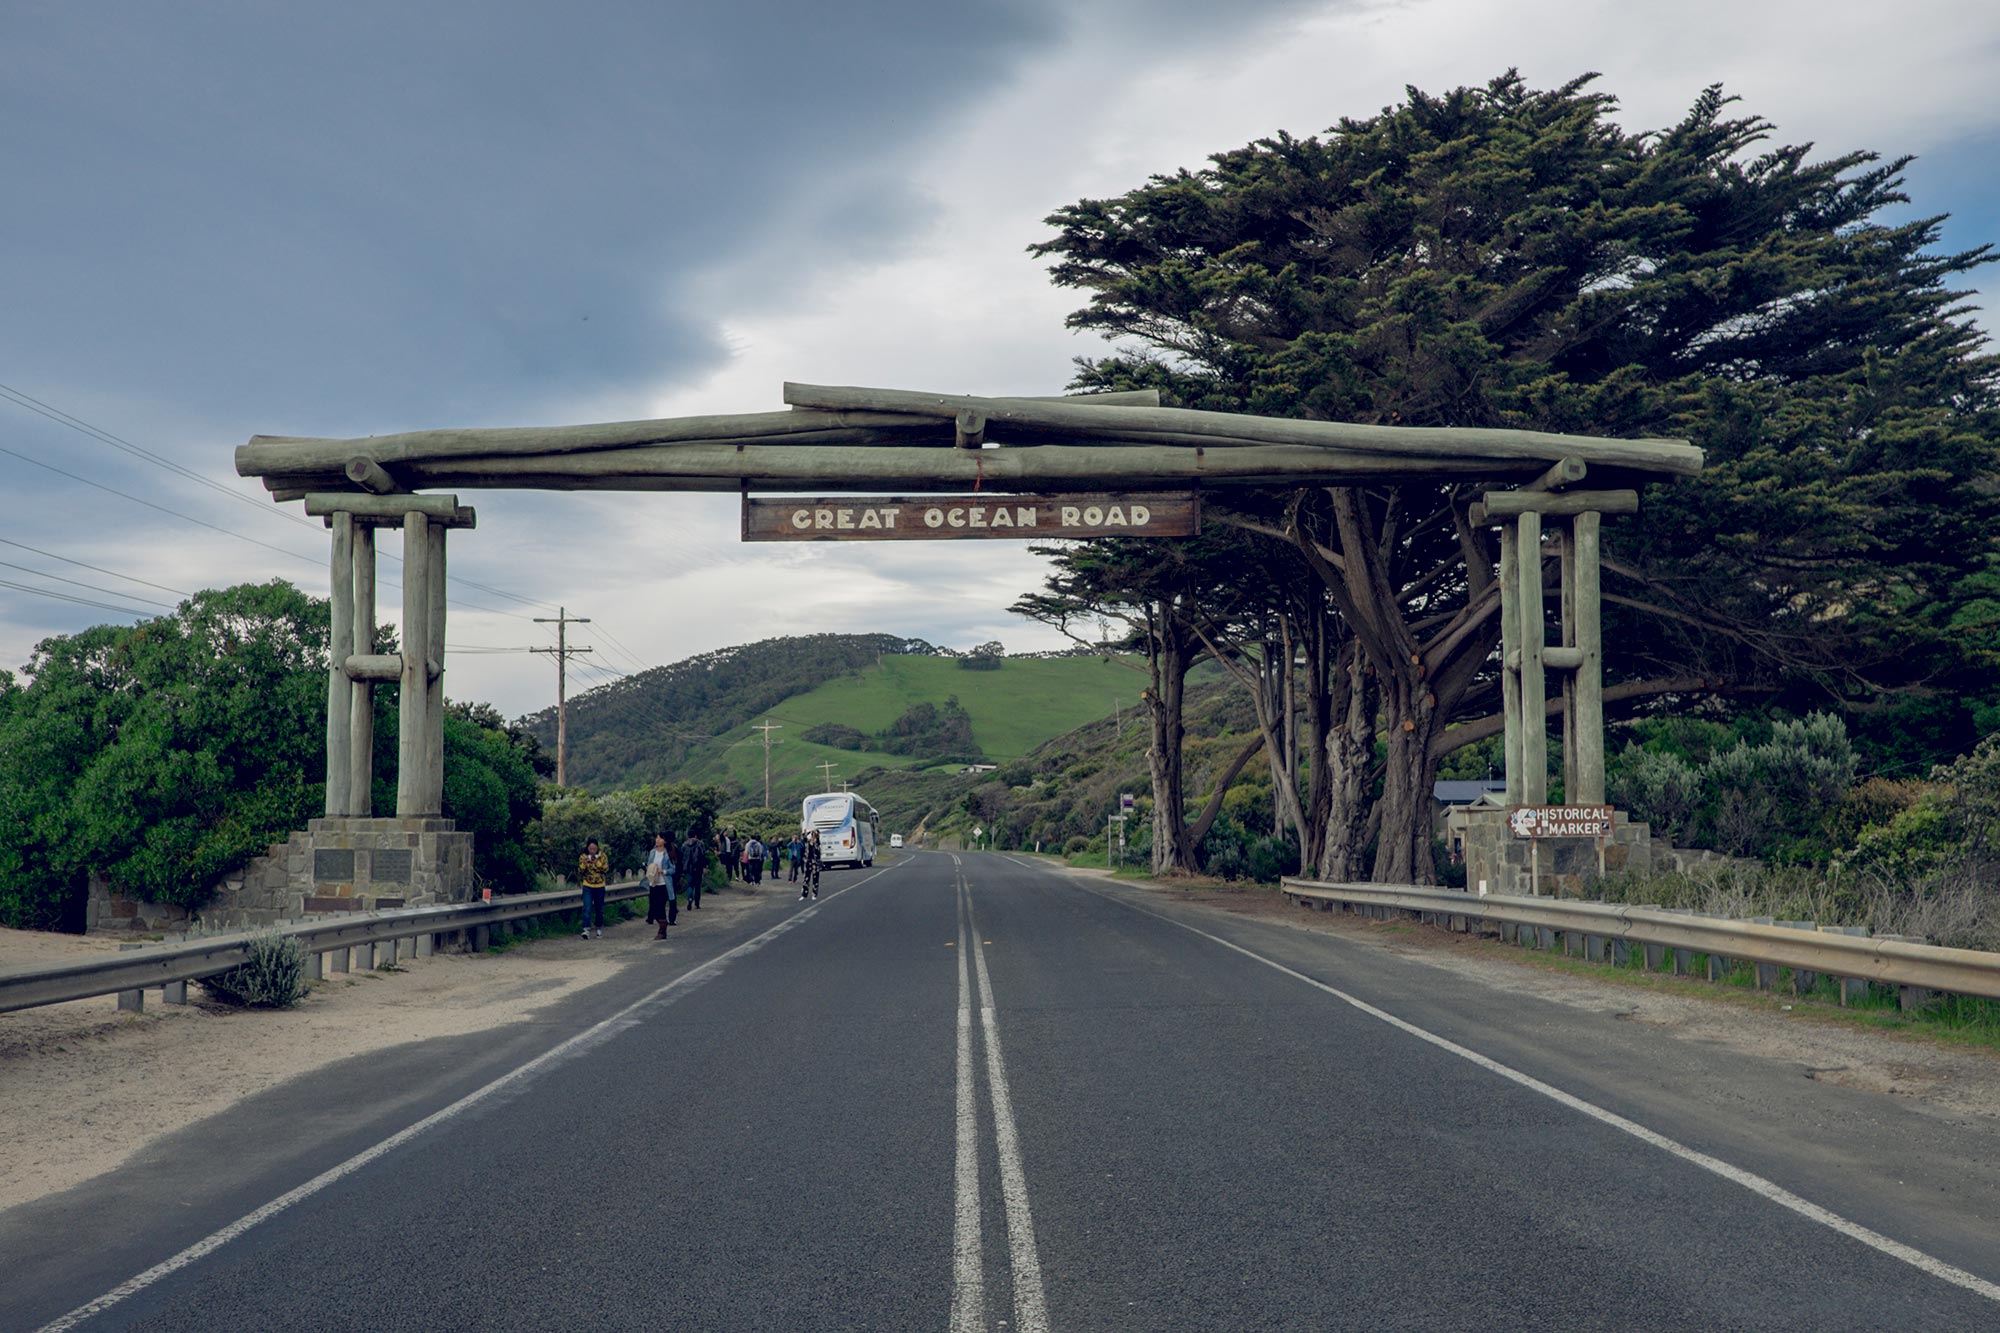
[{"x": 895, "y": 840}]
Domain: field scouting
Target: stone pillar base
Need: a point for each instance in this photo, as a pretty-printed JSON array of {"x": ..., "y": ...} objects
[
  {"x": 1568, "y": 865},
  {"x": 367, "y": 864}
]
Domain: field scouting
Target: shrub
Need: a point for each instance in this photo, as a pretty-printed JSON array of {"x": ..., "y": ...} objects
[
  {"x": 1658, "y": 788},
  {"x": 1077, "y": 843},
  {"x": 272, "y": 977}
]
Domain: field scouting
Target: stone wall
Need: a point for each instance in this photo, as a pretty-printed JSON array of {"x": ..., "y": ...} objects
[
  {"x": 1567, "y": 865},
  {"x": 335, "y": 865}
]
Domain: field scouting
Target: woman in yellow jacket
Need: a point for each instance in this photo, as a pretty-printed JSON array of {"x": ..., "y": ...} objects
[{"x": 592, "y": 869}]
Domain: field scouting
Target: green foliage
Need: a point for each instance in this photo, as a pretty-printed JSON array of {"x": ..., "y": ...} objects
[
  {"x": 764, "y": 823},
  {"x": 933, "y": 731},
  {"x": 623, "y": 822},
  {"x": 1658, "y": 788},
  {"x": 272, "y": 977},
  {"x": 838, "y": 735},
  {"x": 1781, "y": 798},
  {"x": 986, "y": 657},
  {"x": 1505, "y": 256},
  {"x": 164, "y": 754}
]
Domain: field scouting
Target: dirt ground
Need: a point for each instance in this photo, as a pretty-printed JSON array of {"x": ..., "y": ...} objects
[
  {"x": 1833, "y": 1047},
  {"x": 84, "y": 1086}
]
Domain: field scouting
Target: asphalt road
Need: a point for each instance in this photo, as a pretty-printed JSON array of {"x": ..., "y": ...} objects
[{"x": 969, "y": 1092}]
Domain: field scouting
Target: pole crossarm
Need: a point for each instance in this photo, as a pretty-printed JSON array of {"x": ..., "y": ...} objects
[{"x": 861, "y": 439}]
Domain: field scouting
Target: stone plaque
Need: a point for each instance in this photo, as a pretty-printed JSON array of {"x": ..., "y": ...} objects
[
  {"x": 390, "y": 865},
  {"x": 333, "y": 865}
]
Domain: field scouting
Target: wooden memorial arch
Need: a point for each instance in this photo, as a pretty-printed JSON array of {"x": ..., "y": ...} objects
[{"x": 905, "y": 444}]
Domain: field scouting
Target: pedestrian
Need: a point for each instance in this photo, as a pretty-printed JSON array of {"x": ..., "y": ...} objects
[
  {"x": 794, "y": 848},
  {"x": 726, "y": 852},
  {"x": 810, "y": 885},
  {"x": 592, "y": 869},
  {"x": 757, "y": 852},
  {"x": 660, "y": 905},
  {"x": 693, "y": 864}
]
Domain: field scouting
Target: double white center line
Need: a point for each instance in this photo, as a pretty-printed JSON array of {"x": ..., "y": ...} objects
[{"x": 968, "y": 1292}]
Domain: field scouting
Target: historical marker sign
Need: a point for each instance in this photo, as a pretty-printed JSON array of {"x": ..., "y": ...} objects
[
  {"x": 1561, "y": 821},
  {"x": 849, "y": 518}
]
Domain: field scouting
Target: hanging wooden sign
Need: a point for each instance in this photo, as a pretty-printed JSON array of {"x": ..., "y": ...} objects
[{"x": 850, "y": 518}]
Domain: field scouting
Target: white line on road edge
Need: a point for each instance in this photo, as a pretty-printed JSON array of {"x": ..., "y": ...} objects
[
  {"x": 968, "y": 1276},
  {"x": 1031, "y": 1313},
  {"x": 582, "y": 1041},
  {"x": 1756, "y": 1184}
]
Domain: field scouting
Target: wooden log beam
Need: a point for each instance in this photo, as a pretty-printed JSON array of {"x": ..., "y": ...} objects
[
  {"x": 1590, "y": 671},
  {"x": 1511, "y": 504},
  {"x": 361, "y": 723},
  {"x": 1673, "y": 457},
  {"x": 413, "y": 756},
  {"x": 339, "y": 693},
  {"x": 1565, "y": 472},
  {"x": 374, "y": 666},
  {"x": 370, "y": 475},
  {"x": 970, "y": 430},
  {"x": 382, "y": 506},
  {"x": 1510, "y": 654},
  {"x": 266, "y": 454},
  {"x": 1534, "y": 692},
  {"x": 1039, "y": 467},
  {"x": 434, "y": 703}
]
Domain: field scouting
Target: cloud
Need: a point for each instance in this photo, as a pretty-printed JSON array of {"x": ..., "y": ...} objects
[{"x": 254, "y": 218}]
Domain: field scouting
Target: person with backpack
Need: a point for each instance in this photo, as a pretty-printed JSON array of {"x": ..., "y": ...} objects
[
  {"x": 753, "y": 860},
  {"x": 726, "y": 852},
  {"x": 592, "y": 869},
  {"x": 660, "y": 904},
  {"x": 692, "y": 865}
]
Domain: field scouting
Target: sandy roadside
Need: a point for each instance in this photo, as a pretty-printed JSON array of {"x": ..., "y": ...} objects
[
  {"x": 1932, "y": 1074},
  {"x": 83, "y": 1087}
]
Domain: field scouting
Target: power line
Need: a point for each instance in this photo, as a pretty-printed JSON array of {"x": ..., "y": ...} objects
[
  {"x": 21, "y": 398},
  {"x": 178, "y": 592},
  {"x": 98, "y": 433},
  {"x": 78, "y": 583},
  {"x": 80, "y": 601}
]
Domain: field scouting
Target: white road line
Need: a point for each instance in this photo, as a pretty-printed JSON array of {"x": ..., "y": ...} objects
[
  {"x": 968, "y": 1275},
  {"x": 1749, "y": 1180},
  {"x": 1031, "y": 1314},
  {"x": 512, "y": 1080}
]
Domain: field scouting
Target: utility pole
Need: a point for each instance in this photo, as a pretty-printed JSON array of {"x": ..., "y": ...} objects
[
  {"x": 767, "y": 728},
  {"x": 562, "y": 620},
  {"x": 827, "y": 769}
]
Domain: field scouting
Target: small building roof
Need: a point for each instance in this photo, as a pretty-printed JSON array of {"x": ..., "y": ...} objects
[{"x": 1465, "y": 791}]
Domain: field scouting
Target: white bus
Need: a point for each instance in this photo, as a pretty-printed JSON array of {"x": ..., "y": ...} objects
[{"x": 846, "y": 825}]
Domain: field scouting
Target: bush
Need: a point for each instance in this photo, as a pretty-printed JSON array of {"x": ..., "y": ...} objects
[
  {"x": 1658, "y": 788},
  {"x": 1077, "y": 843},
  {"x": 273, "y": 977}
]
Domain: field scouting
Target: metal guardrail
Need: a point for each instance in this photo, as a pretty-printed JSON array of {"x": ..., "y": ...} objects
[
  {"x": 1892, "y": 962},
  {"x": 169, "y": 965}
]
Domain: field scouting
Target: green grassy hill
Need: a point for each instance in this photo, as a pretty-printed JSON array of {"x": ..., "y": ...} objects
[
  {"x": 1013, "y": 710},
  {"x": 692, "y": 720}
]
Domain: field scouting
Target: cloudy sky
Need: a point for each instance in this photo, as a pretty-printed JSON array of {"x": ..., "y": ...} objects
[{"x": 231, "y": 217}]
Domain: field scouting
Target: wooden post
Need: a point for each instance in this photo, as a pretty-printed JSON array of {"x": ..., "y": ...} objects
[
  {"x": 1510, "y": 643},
  {"x": 339, "y": 698},
  {"x": 361, "y": 725},
  {"x": 434, "y": 704},
  {"x": 1588, "y": 729},
  {"x": 1566, "y": 548},
  {"x": 1534, "y": 696},
  {"x": 413, "y": 737}
]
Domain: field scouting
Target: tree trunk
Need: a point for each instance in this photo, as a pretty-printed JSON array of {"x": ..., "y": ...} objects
[
  {"x": 1172, "y": 853},
  {"x": 1403, "y": 848},
  {"x": 1349, "y": 750}
]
